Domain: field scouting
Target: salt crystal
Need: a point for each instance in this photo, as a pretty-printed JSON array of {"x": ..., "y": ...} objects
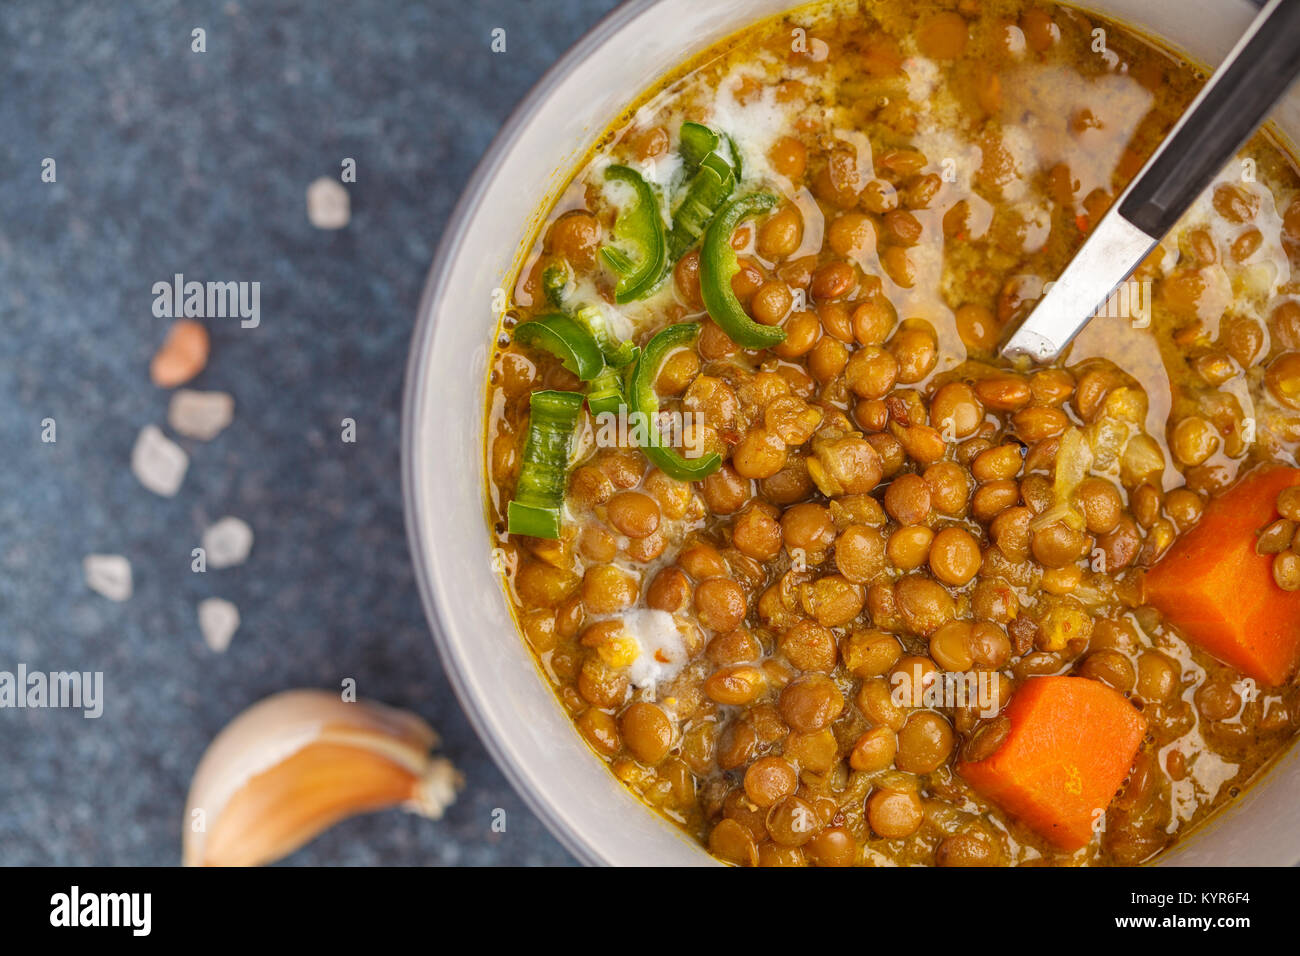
[
  {"x": 109, "y": 575},
  {"x": 228, "y": 542},
  {"x": 158, "y": 461},
  {"x": 218, "y": 621},
  {"x": 328, "y": 204},
  {"x": 201, "y": 415}
]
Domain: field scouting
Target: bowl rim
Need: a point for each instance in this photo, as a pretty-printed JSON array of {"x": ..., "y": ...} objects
[
  {"x": 471, "y": 198},
  {"x": 454, "y": 231}
]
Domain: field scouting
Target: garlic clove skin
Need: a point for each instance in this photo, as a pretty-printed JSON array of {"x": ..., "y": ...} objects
[{"x": 300, "y": 761}]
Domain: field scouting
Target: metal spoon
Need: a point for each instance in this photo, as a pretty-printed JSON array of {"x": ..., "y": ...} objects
[{"x": 1233, "y": 103}]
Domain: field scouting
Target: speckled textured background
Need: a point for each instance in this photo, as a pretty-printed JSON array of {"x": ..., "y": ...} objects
[{"x": 173, "y": 161}]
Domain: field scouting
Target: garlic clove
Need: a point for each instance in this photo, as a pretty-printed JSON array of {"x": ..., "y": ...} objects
[{"x": 300, "y": 761}]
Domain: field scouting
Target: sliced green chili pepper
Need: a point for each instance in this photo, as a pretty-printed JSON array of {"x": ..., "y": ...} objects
[
  {"x": 568, "y": 340},
  {"x": 539, "y": 494},
  {"x": 616, "y": 353},
  {"x": 608, "y": 392},
  {"x": 695, "y": 141},
  {"x": 718, "y": 264},
  {"x": 555, "y": 283},
  {"x": 644, "y": 401},
  {"x": 640, "y": 229},
  {"x": 708, "y": 189},
  {"x": 736, "y": 164}
]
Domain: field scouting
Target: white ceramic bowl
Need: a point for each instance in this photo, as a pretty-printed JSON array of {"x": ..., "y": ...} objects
[{"x": 512, "y": 707}]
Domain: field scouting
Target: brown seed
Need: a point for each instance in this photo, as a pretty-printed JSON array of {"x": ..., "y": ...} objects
[
  {"x": 874, "y": 750},
  {"x": 851, "y": 235},
  {"x": 793, "y": 822},
  {"x": 769, "y": 780},
  {"x": 924, "y": 743},
  {"x": 771, "y": 302},
  {"x": 735, "y": 685},
  {"x": 1217, "y": 700},
  {"x": 1288, "y": 503},
  {"x": 907, "y": 499},
  {"x": 1276, "y": 537},
  {"x": 873, "y": 320},
  {"x": 955, "y": 410},
  {"x": 810, "y": 703},
  {"x": 1005, "y": 393},
  {"x": 1286, "y": 570},
  {"x": 998, "y": 463},
  {"x": 909, "y": 547},
  {"x": 832, "y": 280},
  {"x": 898, "y": 266},
  {"x": 921, "y": 443},
  {"x": 1193, "y": 440},
  {"x": 977, "y": 327},
  {"x": 780, "y": 234},
  {"x": 633, "y": 514},
  {"x": 1283, "y": 379},
  {"x": 183, "y": 354},
  {"x": 760, "y": 454},
  {"x": 833, "y": 600},
  {"x": 1109, "y": 667},
  {"x": 1235, "y": 203},
  {"x": 734, "y": 647},
  {"x": 575, "y": 236},
  {"x": 894, "y": 814},
  {"x": 809, "y": 646},
  {"x": 954, "y": 556},
  {"x": 870, "y": 653},
  {"x": 924, "y": 605},
  {"x": 993, "y": 497},
  {"x": 1184, "y": 506},
  {"x": 756, "y": 534},
  {"x": 860, "y": 553},
  {"x": 950, "y": 486},
  {"x": 647, "y": 732},
  {"x": 789, "y": 157},
  {"x": 834, "y": 846},
  {"x": 1284, "y": 324},
  {"x": 986, "y": 739},
  {"x": 903, "y": 227},
  {"x": 730, "y": 841},
  {"x": 669, "y": 591},
  {"x": 916, "y": 347},
  {"x": 964, "y": 849},
  {"x": 1037, "y": 423},
  {"x": 720, "y": 604},
  {"x": 1057, "y": 545},
  {"x": 1101, "y": 504}
]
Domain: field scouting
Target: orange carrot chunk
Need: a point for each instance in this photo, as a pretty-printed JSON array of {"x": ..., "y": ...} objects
[
  {"x": 1221, "y": 595},
  {"x": 1070, "y": 745}
]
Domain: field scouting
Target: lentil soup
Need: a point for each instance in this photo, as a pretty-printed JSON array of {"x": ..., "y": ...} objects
[{"x": 821, "y": 578}]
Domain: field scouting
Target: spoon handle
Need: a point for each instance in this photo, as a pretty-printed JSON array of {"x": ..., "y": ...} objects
[{"x": 1231, "y": 105}]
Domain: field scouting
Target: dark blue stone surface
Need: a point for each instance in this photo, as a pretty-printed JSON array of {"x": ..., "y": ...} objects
[{"x": 173, "y": 161}]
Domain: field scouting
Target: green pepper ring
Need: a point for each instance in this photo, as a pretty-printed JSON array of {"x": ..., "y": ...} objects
[
  {"x": 539, "y": 493},
  {"x": 718, "y": 265},
  {"x": 643, "y": 400},
  {"x": 642, "y": 226},
  {"x": 568, "y": 340}
]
